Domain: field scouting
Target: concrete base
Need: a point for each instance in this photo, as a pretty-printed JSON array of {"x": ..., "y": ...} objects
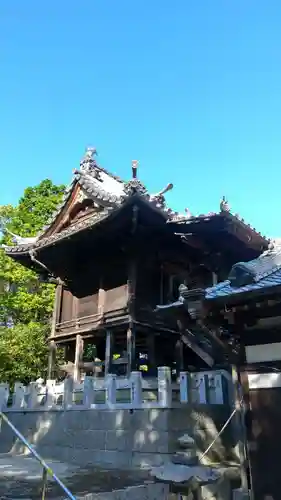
[
  {"x": 145, "y": 492},
  {"x": 118, "y": 438}
]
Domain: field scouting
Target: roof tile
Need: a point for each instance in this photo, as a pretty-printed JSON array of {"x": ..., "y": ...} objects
[{"x": 266, "y": 271}]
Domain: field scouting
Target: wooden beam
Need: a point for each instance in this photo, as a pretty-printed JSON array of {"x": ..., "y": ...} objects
[{"x": 189, "y": 342}]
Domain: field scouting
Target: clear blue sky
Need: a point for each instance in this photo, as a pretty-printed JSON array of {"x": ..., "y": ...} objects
[{"x": 190, "y": 88}]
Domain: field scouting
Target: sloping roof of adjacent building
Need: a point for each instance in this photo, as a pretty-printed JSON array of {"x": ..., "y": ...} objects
[{"x": 261, "y": 273}]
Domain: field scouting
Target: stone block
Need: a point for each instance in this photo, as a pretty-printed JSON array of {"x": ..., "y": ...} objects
[
  {"x": 90, "y": 440},
  {"x": 112, "y": 459},
  {"x": 179, "y": 419},
  {"x": 114, "y": 419},
  {"x": 149, "y": 419},
  {"x": 151, "y": 441},
  {"x": 119, "y": 440}
]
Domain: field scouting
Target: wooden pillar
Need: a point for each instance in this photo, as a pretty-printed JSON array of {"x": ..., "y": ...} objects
[
  {"x": 56, "y": 309},
  {"x": 101, "y": 298},
  {"x": 179, "y": 356},
  {"x": 51, "y": 375},
  {"x": 132, "y": 280},
  {"x": 238, "y": 427},
  {"x": 52, "y": 346},
  {"x": 78, "y": 358},
  {"x": 131, "y": 349},
  {"x": 150, "y": 341},
  {"x": 108, "y": 353}
]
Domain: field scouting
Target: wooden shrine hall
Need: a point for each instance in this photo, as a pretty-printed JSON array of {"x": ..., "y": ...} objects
[{"x": 115, "y": 251}]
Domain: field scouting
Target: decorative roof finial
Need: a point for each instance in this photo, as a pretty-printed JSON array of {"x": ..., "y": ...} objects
[
  {"x": 135, "y": 169},
  {"x": 224, "y": 205},
  {"x": 158, "y": 198},
  {"x": 90, "y": 153},
  {"x": 165, "y": 190},
  {"x": 88, "y": 163},
  {"x": 135, "y": 185}
]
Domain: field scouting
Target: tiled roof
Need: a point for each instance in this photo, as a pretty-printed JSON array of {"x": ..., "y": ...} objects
[
  {"x": 195, "y": 219},
  {"x": 102, "y": 187},
  {"x": 263, "y": 272}
]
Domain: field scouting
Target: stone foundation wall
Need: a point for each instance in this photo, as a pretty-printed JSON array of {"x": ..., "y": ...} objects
[{"x": 120, "y": 438}]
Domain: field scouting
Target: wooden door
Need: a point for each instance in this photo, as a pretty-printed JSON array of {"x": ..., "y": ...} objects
[{"x": 264, "y": 435}]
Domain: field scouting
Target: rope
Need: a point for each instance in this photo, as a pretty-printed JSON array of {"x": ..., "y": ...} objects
[
  {"x": 37, "y": 456},
  {"x": 220, "y": 432}
]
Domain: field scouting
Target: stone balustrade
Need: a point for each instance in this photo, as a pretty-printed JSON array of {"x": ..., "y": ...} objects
[{"x": 112, "y": 392}]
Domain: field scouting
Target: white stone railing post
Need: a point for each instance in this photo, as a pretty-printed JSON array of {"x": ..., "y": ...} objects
[
  {"x": 19, "y": 396},
  {"x": 184, "y": 387},
  {"x": 164, "y": 386},
  {"x": 50, "y": 393},
  {"x": 33, "y": 395},
  {"x": 198, "y": 388},
  {"x": 68, "y": 393},
  {"x": 88, "y": 392},
  {"x": 4, "y": 395},
  {"x": 215, "y": 388},
  {"x": 136, "y": 389},
  {"x": 110, "y": 389}
]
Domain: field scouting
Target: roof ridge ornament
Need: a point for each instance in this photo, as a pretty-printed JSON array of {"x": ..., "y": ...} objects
[
  {"x": 158, "y": 198},
  {"x": 88, "y": 161},
  {"x": 224, "y": 205},
  {"x": 135, "y": 164},
  {"x": 135, "y": 185}
]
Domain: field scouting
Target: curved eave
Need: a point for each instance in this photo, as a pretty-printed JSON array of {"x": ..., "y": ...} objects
[
  {"x": 22, "y": 256},
  {"x": 222, "y": 219},
  {"x": 54, "y": 238},
  {"x": 18, "y": 252}
]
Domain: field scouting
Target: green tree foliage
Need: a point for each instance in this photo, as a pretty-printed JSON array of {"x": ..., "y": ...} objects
[
  {"x": 24, "y": 300},
  {"x": 23, "y": 352}
]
